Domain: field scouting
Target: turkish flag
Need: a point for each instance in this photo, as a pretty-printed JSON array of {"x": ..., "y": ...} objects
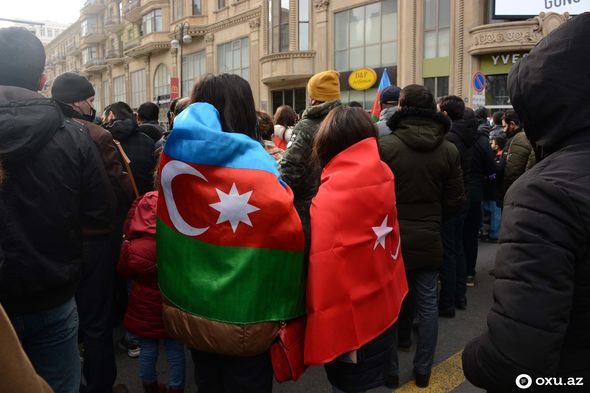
[{"x": 356, "y": 279}]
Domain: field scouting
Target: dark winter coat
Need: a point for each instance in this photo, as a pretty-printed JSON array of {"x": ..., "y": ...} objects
[
  {"x": 152, "y": 129},
  {"x": 482, "y": 166},
  {"x": 118, "y": 178},
  {"x": 462, "y": 135},
  {"x": 371, "y": 368},
  {"x": 539, "y": 323},
  {"x": 428, "y": 181},
  {"x": 137, "y": 262},
  {"x": 297, "y": 168},
  {"x": 518, "y": 150},
  {"x": 139, "y": 148},
  {"x": 55, "y": 186}
]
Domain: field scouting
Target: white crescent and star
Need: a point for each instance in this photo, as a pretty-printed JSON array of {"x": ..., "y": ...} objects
[
  {"x": 381, "y": 232},
  {"x": 233, "y": 207}
]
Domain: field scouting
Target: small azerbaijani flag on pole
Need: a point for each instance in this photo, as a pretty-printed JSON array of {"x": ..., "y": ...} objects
[{"x": 377, "y": 103}]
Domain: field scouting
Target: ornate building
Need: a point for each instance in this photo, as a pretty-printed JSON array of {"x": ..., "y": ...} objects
[{"x": 152, "y": 50}]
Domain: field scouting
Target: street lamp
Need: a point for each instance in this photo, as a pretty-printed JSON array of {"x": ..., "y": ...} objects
[{"x": 181, "y": 33}]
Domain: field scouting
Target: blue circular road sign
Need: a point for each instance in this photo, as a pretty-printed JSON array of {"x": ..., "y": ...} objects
[{"x": 479, "y": 82}]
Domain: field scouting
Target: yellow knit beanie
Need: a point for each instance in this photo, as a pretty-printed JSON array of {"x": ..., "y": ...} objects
[{"x": 324, "y": 86}]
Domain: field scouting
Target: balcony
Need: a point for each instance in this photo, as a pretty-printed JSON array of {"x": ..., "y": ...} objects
[
  {"x": 92, "y": 36},
  {"x": 151, "y": 43},
  {"x": 133, "y": 11},
  {"x": 92, "y": 7},
  {"x": 94, "y": 65},
  {"x": 60, "y": 58},
  {"x": 130, "y": 44},
  {"x": 278, "y": 68},
  {"x": 114, "y": 56},
  {"x": 113, "y": 23}
]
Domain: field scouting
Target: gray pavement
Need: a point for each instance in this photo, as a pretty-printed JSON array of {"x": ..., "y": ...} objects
[{"x": 453, "y": 336}]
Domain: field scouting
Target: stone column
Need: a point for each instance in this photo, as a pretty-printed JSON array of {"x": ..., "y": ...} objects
[
  {"x": 457, "y": 48},
  {"x": 323, "y": 47},
  {"x": 148, "y": 78},
  {"x": 255, "y": 54},
  {"x": 293, "y": 25},
  {"x": 127, "y": 82},
  {"x": 209, "y": 51},
  {"x": 408, "y": 44}
]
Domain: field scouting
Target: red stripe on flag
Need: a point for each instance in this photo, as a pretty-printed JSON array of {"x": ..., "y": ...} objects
[
  {"x": 376, "y": 111},
  {"x": 273, "y": 224}
]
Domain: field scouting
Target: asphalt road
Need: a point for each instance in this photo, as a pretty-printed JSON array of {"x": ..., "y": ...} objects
[{"x": 452, "y": 337}]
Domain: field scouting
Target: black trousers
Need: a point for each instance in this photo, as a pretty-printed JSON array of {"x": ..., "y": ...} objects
[
  {"x": 471, "y": 227},
  {"x": 94, "y": 299},
  {"x": 216, "y": 373}
]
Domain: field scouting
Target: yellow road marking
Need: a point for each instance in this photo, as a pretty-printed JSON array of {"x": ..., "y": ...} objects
[{"x": 445, "y": 377}]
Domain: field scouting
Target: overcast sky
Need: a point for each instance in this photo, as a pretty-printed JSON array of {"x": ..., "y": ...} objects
[{"x": 63, "y": 11}]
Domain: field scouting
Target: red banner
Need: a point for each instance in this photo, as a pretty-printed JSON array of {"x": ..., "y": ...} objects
[{"x": 174, "y": 89}]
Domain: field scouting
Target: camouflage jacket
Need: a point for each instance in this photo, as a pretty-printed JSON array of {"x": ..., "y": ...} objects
[{"x": 297, "y": 170}]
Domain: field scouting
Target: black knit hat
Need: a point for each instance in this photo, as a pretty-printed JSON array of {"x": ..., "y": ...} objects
[
  {"x": 71, "y": 87},
  {"x": 390, "y": 95}
]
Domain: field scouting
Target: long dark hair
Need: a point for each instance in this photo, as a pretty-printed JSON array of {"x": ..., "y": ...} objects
[
  {"x": 232, "y": 97},
  {"x": 285, "y": 116},
  {"x": 343, "y": 127}
]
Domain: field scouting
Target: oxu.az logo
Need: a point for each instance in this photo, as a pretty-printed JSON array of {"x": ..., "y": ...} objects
[{"x": 525, "y": 381}]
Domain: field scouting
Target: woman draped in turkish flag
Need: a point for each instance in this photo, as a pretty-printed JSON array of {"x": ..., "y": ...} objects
[{"x": 356, "y": 280}]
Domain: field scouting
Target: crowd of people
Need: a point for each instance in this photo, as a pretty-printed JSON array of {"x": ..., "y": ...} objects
[{"x": 234, "y": 234}]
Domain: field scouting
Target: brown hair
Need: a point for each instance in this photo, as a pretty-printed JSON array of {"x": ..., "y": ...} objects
[
  {"x": 265, "y": 125},
  {"x": 285, "y": 116},
  {"x": 343, "y": 127}
]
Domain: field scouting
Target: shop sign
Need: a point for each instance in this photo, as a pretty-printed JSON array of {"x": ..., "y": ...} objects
[
  {"x": 510, "y": 9},
  {"x": 362, "y": 79},
  {"x": 499, "y": 63},
  {"x": 174, "y": 88}
]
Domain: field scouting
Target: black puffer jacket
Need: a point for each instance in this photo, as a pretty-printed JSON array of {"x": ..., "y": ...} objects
[
  {"x": 428, "y": 181},
  {"x": 152, "y": 129},
  {"x": 462, "y": 135},
  {"x": 55, "y": 185},
  {"x": 540, "y": 321},
  {"x": 139, "y": 148},
  {"x": 482, "y": 166}
]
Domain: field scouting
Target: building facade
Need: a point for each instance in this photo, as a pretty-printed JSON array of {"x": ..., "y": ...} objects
[{"x": 155, "y": 50}]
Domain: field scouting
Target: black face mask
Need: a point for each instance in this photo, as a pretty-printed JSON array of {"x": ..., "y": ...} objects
[{"x": 90, "y": 117}]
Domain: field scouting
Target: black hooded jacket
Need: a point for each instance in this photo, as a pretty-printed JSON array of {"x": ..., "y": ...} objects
[
  {"x": 55, "y": 186},
  {"x": 462, "y": 135},
  {"x": 540, "y": 321},
  {"x": 139, "y": 148}
]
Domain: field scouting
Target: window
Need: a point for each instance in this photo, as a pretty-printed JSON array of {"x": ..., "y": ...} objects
[
  {"x": 88, "y": 54},
  {"x": 119, "y": 90},
  {"x": 295, "y": 98},
  {"x": 197, "y": 7},
  {"x": 497, "y": 90},
  {"x": 138, "y": 93},
  {"x": 366, "y": 36},
  {"x": 88, "y": 26},
  {"x": 177, "y": 9},
  {"x": 437, "y": 28},
  {"x": 107, "y": 92},
  {"x": 220, "y": 4},
  {"x": 438, "y": 86},
  {"x": 151, "y": 22},
  {"x": 366, "y": 97},
  {"x": 193, "y": 66},
  {"x": 234, "y": 58},
  {"x": 161, "y": 82},
  {"x": 303, "y": 25},
  {"x": 278, "y": 21}
]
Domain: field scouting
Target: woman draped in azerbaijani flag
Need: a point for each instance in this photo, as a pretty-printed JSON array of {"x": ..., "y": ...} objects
[
  {"x": 229, "y": 241},
  {"x": 356, "y": 280}
]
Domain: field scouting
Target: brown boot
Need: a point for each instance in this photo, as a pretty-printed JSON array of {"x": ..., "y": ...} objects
[{"x": 154, "y": 388}]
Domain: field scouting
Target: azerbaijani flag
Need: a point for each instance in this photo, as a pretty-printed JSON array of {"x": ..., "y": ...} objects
[
  {"x": 229, "y": 240},
  {"x": 376, "y": 111}
]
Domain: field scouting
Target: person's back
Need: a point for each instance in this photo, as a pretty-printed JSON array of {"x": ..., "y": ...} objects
[
  {"x": 539, "y": 324},
  {"x": 428, "y": 186},
  {"x": 147, "y": 117},
  {"x": 138, "y": 146},
  {"x": 55, "y": 188}
]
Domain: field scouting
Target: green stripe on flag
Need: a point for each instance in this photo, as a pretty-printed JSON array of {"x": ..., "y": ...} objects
[{"x": 229, "y": 284}]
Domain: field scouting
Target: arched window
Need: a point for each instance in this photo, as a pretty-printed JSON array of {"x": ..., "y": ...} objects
[{"x": 161, "y": 82}]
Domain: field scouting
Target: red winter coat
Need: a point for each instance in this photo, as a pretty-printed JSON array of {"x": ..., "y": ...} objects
[{"x": 137, "y": 262}]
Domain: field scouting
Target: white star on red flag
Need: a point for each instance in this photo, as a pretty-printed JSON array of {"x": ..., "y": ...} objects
[
  {"x": 234, "y": 207},
  {"x": 381, "y": 232}
]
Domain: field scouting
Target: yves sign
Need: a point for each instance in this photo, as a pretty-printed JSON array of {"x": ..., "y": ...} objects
[{"x": 526, "y": 8}]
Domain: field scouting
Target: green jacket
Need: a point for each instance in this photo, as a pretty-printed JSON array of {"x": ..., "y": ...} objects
[
  {"x": 296, "y": 167},
  {"x": 520, "y": 158},
  {"x": 428, "y": 182}
]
